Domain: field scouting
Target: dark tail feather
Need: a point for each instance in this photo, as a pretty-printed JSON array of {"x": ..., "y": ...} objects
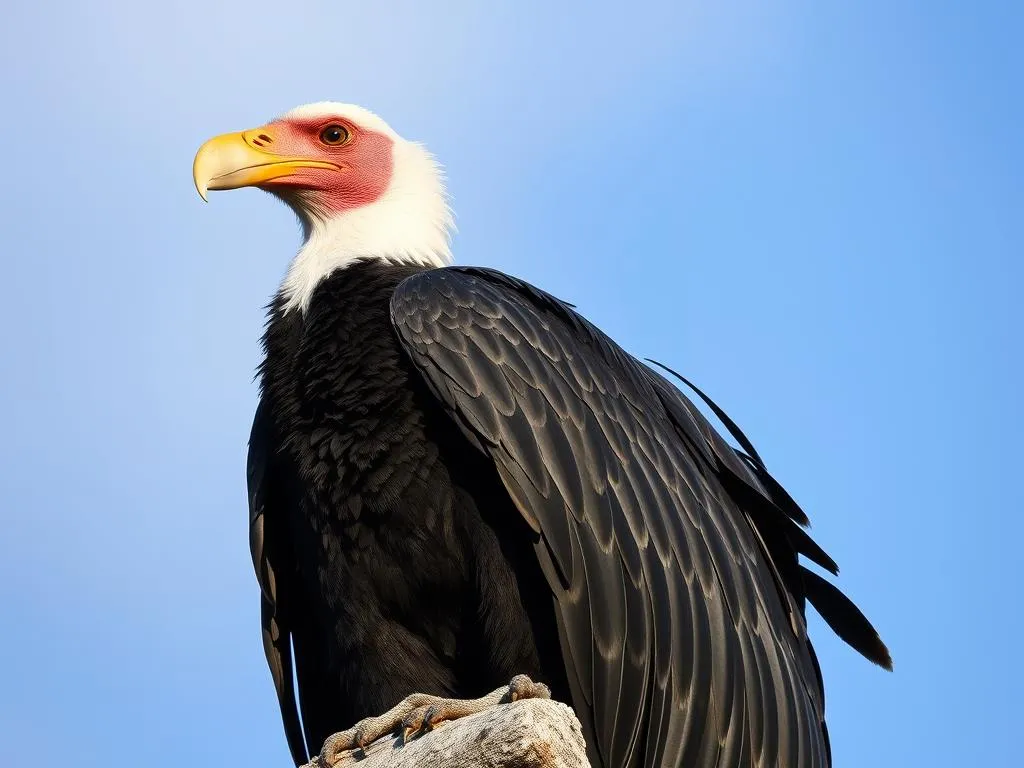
[
  {"x": 845, "y": 619},
  {"x": 749, "y": 454},
  {"x": 768, "y": 516},
  {"x": 779, "y": 495},
  {"x": 807, "y": 547}
]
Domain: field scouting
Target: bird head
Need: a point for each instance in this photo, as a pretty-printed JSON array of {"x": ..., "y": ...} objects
[{"x": 360, "y": 190}]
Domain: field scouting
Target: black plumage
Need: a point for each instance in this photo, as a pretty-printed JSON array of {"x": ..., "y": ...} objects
[{"x": 455, "y": 478}]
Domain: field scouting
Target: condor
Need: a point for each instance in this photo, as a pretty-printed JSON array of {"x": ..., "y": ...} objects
[{"x": 457, "y": 484}]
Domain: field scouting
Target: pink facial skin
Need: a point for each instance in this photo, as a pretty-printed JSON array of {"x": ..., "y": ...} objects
[{"x": 365, "y": 162}]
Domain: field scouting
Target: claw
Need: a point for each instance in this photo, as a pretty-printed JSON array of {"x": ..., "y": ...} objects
[
  {"x": 418, "y": 721},
  {"x": 522, "y": 687},
  {"x": 334, "y": 748},
  {"x": 364, "y": 734}
]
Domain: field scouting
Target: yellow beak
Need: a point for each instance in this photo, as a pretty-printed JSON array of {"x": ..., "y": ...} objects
[{"x": 244, "y": 159}]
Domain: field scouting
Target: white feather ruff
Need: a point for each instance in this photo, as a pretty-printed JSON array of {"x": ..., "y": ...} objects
[{"x": 411, "y": 222}]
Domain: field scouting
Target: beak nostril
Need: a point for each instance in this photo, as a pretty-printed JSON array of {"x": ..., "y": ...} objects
[
  {"x": 257, "y": 142},
  {"x": 266, "y": 138}
]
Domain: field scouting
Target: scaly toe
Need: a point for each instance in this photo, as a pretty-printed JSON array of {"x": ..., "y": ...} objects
[
  {"x": 335, "y": 746},
  {"x": 522, "y": 687},
  {"x": 368, "y": 731},
  {"x": 419, "y": 721}
]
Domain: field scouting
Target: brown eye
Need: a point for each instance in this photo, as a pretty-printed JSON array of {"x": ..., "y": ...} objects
[{"x": 334, "y": 134}]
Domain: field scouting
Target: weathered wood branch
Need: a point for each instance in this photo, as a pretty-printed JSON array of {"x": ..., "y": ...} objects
[{"x": 531, "y": 733}]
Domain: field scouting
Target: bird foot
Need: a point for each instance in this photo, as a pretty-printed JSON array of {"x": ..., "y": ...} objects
[{"x": 418, "y": 714}]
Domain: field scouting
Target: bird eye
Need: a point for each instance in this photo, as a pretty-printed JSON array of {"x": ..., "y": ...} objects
[{"x": 334, "y": 134}]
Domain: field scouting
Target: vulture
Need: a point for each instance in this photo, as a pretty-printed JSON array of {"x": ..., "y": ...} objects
[{"x": 458, "y": 485}]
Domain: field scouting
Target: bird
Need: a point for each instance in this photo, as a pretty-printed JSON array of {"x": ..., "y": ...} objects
[{"x": 461, "y": 491}]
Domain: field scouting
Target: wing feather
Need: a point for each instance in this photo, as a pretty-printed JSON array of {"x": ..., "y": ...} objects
[
  {"x": 275, "y": 631},
  {"x": 672, "y": 556}
]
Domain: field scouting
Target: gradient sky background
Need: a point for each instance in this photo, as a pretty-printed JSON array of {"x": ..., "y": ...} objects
[{"x": 813, "y": 211}]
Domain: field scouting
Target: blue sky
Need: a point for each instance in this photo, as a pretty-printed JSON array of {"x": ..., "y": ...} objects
[{"x": 814, "y": 211}]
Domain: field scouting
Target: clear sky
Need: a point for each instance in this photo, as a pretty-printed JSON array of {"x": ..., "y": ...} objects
[{"x": 812, "y": 209}]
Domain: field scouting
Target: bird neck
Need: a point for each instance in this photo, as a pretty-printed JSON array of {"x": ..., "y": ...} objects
[{"x": 411, "y": 223}]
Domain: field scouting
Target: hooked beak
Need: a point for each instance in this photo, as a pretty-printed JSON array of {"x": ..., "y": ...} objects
[{"x": 244, "y": 159}]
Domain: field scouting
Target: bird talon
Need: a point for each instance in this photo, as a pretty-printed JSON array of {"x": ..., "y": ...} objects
[
  {"x": 408, "y": 732},
  {"x": 334, "y": 746},
  {"x": 418, "y": 714},
  {"x": 361, "y": 739},
  {"x": 522, "y": 687},
  {"x": 431, "y": 718},
  {"x": 419, "y": 721}
]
